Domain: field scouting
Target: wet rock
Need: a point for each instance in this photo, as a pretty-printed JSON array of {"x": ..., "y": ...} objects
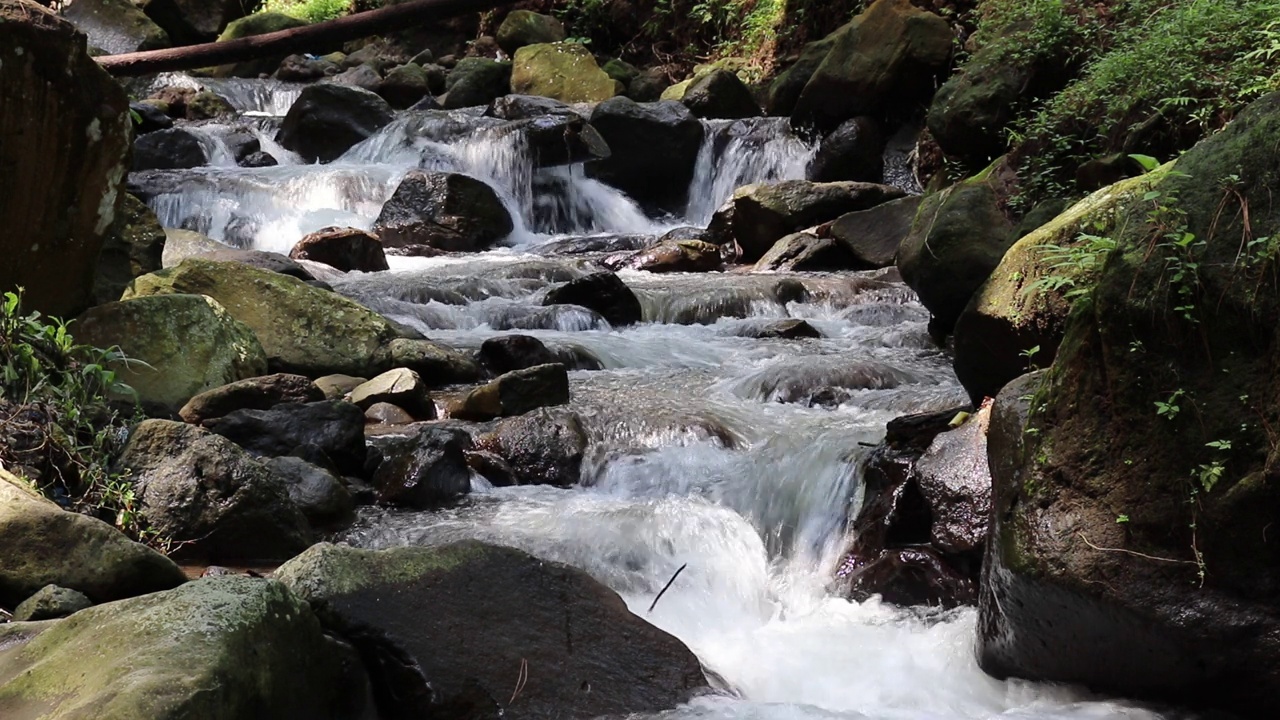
[
  {"x": 766, "y": 212},
  {"x": 364, "y": 77},
  {"x": 648, "y": 85},
  {"x": 327, "y": 119},
  {"x": 149, "y": 118},
  {"x": 436, "y": 364},
  {"x": 563, "y": 71},
  {"x": 462, "y": 638},
  {"x": 887, "y": 57},
  {"x": 854, "y": 151},
  {"x": 405, "y": 85},
  {"x": 780, "y": 329},
  {"x": 910, "y": 576},
  {"x": 386, "y": 414},
  {"x": 563, "y": 139},
  {"x": 317, "y": 492},
  {"x": 46, "y": 545},
  {"x": 258, "y": 160},
  {"x": 523, "y": 27},
  {"x": 260, "y": 259},
  {"x": 191, "y": 21},
  {"x": 336, "y": 387},
  {"x": 50, "y": 603},
  {"x": 492, "y": 467},
  {"x": 526, "y": 107},
  {"x": 423, "y": 470},
  {"x": 720, "y": 94},
  {"x": 621, "y": 70},
  {"x": 304, "y": 68},
  {"x": 505, "y": 353},
  {"x": 604, "y": 292},
  {"x": 303, "y": 329},
  {"x": 804, "y": 251},
  {"x": 544, "y": 447},
  {"x": 515, "y": 393},
  {"x": 873, "y": 236},
  {"x": 257, "y": 393},
  {"x": 955, "y": 482},
  {"x": 346, "y": 249},
  {"x": 654, "y": 149},
  {"x": 182, "y": 244},
  {"x": 259, "y": 23},
  {"x": 476, "y": 81},
  {"x": 61, "y": 185},
  {"x": 677, "y": 256},
  {"x": 219, "y": 648},
  {"x": 785, "y": 89},
  {"x": 189, "y": 344},
  {"x": 401, "y": 387},
  {"x": 115, "y": 26},
  {"x": 210, "y": 496},
  {"x": 331, "y": 431},
  {"x": 135, "y": 246},
  {"x": 447, "y": 211}
]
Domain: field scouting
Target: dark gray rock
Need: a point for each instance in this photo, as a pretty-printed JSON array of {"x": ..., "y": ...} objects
[
  {"x": 317, "y": 492},
  {"x": 603, "y": 292},
  {"x": 446, "y": 211},
  {"x": 172, "y": 149},
  {"x": 423, "y": 470},
  {"x": 49, "y": 603},
  {"x": 853, "y": 151},
  {"x": 327, "y": 119},
  {"x": 330, "y": 431},
  {"x": 259, "y": 393},
  {"x": 544, "y": 447},
  {"x": 654, "y": 148}
]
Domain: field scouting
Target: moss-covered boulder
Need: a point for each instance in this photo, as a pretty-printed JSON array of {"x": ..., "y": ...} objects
[
  {"x": 766, "y": 212},
  {"x": 304, "y": 330},
  {"x": 189, "y": 344},
  {"x": 719, "y": 94},
  {"x": 255, "y": 24},
  {"x": 476, "y": 81},
  {"x": 956, "y": 240},
  {"x": 46, "y": 545},
  {"x": 885, "y": 59},
  {"x": 524, "y": 27},
  {"x": 425, "y": 606},
  {"x": 223, "y": 648},
  {"x": 621, "y": 70},
  {"x": 135, "y": 246},
  {"x": 1015, "y": 321},
  {"x": 564, "y": 71},
  {"x": 1135, "y": 501},
  {"x": 785, "y": 89},
  {"x": 115, "y": 26}
]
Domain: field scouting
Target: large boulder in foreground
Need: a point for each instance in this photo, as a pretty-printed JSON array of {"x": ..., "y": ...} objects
[
  {"x": 1135, "y": 502},
  {"x": 46, "y": 545},
  {"x": 764, "y": 213},
  {"x": 221, "y": 648},
  {"x": 328, "y": 118},
  {"x": 571, "y": 638},
  {"x": 563, "y": 71},
  {"x": 60, "y": 187},
  {"x": 654, "y": 148},
  {"x": 445, "y": 211},
  {"x": 304, "y": 330}
]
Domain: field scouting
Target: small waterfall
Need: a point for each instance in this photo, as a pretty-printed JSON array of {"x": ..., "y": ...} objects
[
  {"x": 741, "y": 152},
  {"x": 250, "y": 96}
]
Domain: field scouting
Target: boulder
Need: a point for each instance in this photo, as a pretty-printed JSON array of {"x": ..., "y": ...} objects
[
  {"x": 543, "y": 447},
  {"x": 115, "y": 26},
  {"x": 304, "y": 68},
  {"x": 801, "y": 252},
  {"x": 677, "y": 256},
  {"x": 873, "y": 235},
  {"x": 329, "y": 431},
  {"x": 423, "y": 606},
  {"x": 854, "y": 151},
  {"x": 314, "y": 490},
  {"x": 515, "y": 393},
  {"x": 362, "y": 77},
  {"x": 260, "y": 259},
  {"x": 61, "y": 186},
  {"x": 785, "y": 89},
  {"x": 447, "y": 211},
  {"x": 405, "y": 85},
  {"x": 648, "y": 85},
  {"x": 172, "y": 149},
  {"x": 956, "y": 484},
  {"x": 720, "y": 94},
  {"x": 911, "y": 576},
  {"x": 621, "y": 70},
  {"x": 304, "y": 330},
  {"x": 327, "y": 119},
  {"x": 1017, "y": 318},
  {"x": 259, "y": 23},
  {"x": 336, "y": 387},
  {"x": 202, "y": 491},
  {"x": 765, "y": 213},
  {"x": 190, "y": 104},
  {"x": 956, "y": 240},
  {"x": 148, "y": 118},
  {"x": 886, "y": 59},
  {"x": 523, "y": 27},
  {"x": 476, "y": 81},
  {"x": 135, "y": 246},
  {"x": 192, "y": 21},
  {"x": 50, "y": 603},
  {"x": 423, "y": 470},
  {"x": 563, "y": 71},
  {"x": 386, "y": 414},
  {"x": 181, "y": 244},
  {"x": 257, "y": 393},
  {"x": 435, "y": 364},
  {"x": 219, "y": 648},
  {"x": 46, "y": 545},
  {"x": 779, "y": 330},
  {"x": 654, "y": 149},
  {"x": 346, "y": 249},
  {"x": 562, "y": 139},
  {"x": 177, "y": 346},
  {"x": 513, "y": 352},
  {"x": 401, "y": 387},
  {"x": 603, "y": 292}
]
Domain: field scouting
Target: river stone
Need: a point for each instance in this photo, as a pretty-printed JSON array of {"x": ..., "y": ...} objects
[
  {"x": 189, "y": 343},
  {"x": 259, "y": 23},
  {"x": 260, "y": 259},
  {"x": 648, "y": 86},
  {"x": 49, "y": 603},
  {"x": 654, "y": 149},
  {"x": 544, "y": 447},
  {"x": 582, "y": 648},
  {"x": 911, "y": 576},
  {"x": 476, "y": 81},
  {"x": 523, "y": 27},
  {"x": 317, "y": 492},
  {"x": 148, "y": 118},
  {"x": 779, "y": 330},
  {"x": 135, "y": 246},
  {"x": 603, "y": 292},
  {"x": 257, "y": 393},
  {"x": 515, "y": 393},
  {"x": 222, "y": 648},
  {"x": 364, "y": 77},
  {"x": 193, "y": 21},
  {"x": 181, "y": 244},
  {"x": 801, "y": 252},
  {"x": 766, "y": 212},
  {"x": 331, "y": 431},
  {"x": 621, "y": 70},
  {"x": 327, "y": 119},
  {"x": 61, "y": 186},
  {"x": 853, "y": 151},
  {"x": 423, "y": 470},
  {"x": 46, "y": 545},
  {"x": 401, "y": 387},
  {"x": 956, "y": 483},
  {"x": 887, "y": 57},
  {"x": 446, "y": 211},
  {"x": 303, "y": 329},
  {"x": 115, "y": 26},
  {"x": 345, "y": 249},
  {"x": 405, "y": 85},
  {"x": 336, "y": 387},
  {"x": 386, "y": 414},
  {"x": 873, "y": 236},
  {"x": 719, "y": 94},
  {"x": 435, "y": 364},
  {"x": 671, "y": 255},
  {"x": 172, "y": 149},
  {"x": 201, "y": 490},
  {"x": 513, "y": 352},
  {"x": 563, "y": 71}
]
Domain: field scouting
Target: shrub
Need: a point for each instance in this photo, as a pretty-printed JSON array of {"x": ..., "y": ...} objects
[{"x": 309, "y": 10}]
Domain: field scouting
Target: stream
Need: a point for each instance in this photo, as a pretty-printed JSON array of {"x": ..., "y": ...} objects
[{"x": 735, "y": 458}]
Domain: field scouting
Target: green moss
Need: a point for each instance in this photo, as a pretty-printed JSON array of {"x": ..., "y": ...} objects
[
  {"x": 311, "y": 11},
  {"x": 327, "y": 570}
]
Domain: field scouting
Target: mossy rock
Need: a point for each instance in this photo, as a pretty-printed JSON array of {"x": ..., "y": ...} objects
[
  {"x": 620, "y": 70},
  {"x": 476, "y": 81},
  {"x": 563, "y": 71},
  {"x": 785, "y": 89},
  {"x": 135, "y": 246},
  {"x": 248, "y": 26},
  {"x": 525, "y": 27}
]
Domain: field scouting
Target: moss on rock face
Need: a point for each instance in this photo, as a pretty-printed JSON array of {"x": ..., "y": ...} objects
[
  {"x": 564, "y": 71},
  {"x": 256, "y": 24}
]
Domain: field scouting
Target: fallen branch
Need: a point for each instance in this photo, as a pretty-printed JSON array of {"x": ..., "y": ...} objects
[
  {"x": 664, "y": 587},
  {"x": 328, "y": 33}
]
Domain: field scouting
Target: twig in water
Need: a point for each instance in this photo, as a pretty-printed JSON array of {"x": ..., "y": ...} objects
[
  {"x": 521, "y": 678},
  {"x": 1135, "y": 554},
  {"x": 668, "y": 585}
]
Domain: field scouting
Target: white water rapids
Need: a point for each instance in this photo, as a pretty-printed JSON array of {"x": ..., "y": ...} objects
[{"x": 708, "y": 449}]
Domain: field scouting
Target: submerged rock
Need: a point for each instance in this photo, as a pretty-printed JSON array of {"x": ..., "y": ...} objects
[
  {"x": 327, "y": 119},
  {"x": 603, "y": 292},
  {"x": 447, "y": 211}
]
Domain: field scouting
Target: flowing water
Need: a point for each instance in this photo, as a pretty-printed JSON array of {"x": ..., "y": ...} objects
[{"x": 735, "y": 458}]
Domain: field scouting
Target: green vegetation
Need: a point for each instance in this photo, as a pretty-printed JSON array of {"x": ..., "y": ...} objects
[{"x": 310, "y": 10}]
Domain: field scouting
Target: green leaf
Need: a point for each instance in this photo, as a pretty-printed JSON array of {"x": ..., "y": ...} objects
[{"x": 1147, "y": 162}]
